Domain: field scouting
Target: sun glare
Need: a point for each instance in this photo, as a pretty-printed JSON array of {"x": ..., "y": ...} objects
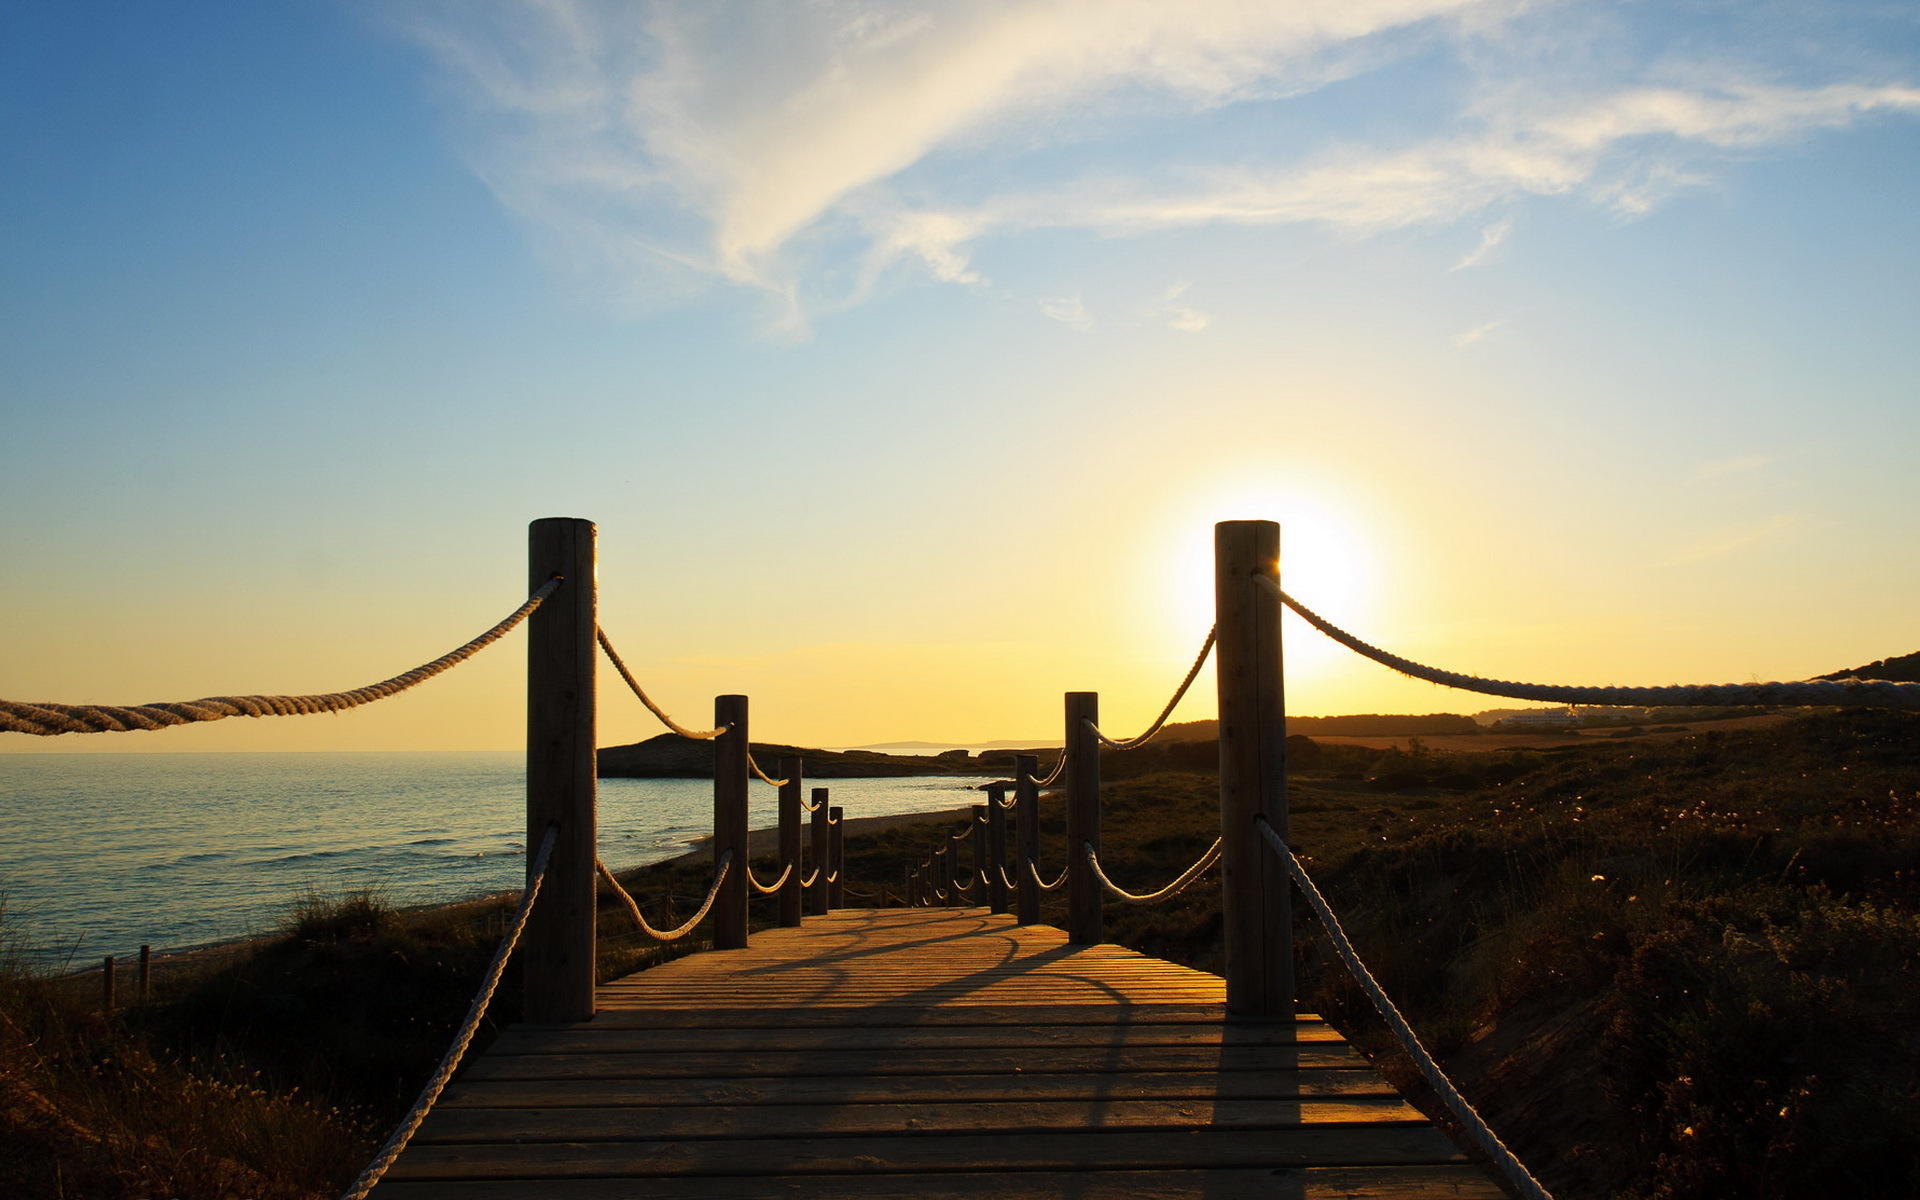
[{"x": 1325, "y": 561}]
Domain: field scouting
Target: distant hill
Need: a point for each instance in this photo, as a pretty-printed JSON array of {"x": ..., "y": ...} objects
[
  {"x": 1356, "y": 725},
  {"x": 1903, "y": 669},
  {"x": 670, "y": 756}
]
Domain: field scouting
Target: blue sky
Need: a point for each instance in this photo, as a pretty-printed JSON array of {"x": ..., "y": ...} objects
[{"x": 905, "y": 353}]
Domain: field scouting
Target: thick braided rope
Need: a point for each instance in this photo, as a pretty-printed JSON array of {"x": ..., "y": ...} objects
[
  {"x": 1033, "y": 873},
  {"x": 1516, "y": 1172},
  {"x": 679, "y": 931},
  {"x": 764, "y": 777},
  {"x": 490, "y": 982},
  {"x": 1008, "y": 880},
  {"x": 1179, "y": 693},
  {"x": 857, "y": 895},
  {"x": 812, "y": 878},
  {"x": 1058, "y": 767},
  {"x": 768, "y": 889},
  {"x": 698, "y": 735},
  {"x": 1186, "y": 877},
  {"x": 46, "y": 720},
  {"x": 1848, "y": 693}
]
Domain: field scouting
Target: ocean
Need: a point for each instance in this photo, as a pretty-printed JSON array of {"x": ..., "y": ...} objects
[{"x": 100, "y": 853}]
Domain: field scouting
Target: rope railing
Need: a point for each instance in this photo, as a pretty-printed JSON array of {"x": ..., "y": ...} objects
[
  {"x": 1053, "y": 775},
  {"x": 678, "y": 931},
  {"x": 1159, "y": 722},
  {"x": 1033, "y": 873},
  {"x": 764, "y": 777},
  {"x": 768, "y": 889},
  {"x": 1850, "y": 693},
  {"x": 1187, "y": 876},
  {"x": 812, "y": 878},
  {"x": 698, "y": 735},
  {"x": 1490, "y": 1144},
  {"x": 47, "y": 720},
  {"x": 463, "y": 1037}
]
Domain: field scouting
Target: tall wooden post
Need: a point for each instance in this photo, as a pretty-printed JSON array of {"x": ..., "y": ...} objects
[
  {"x": 1085, "y": 918},
  {"x": 817, "y": 849},
  {"x": 943, "y": 875},
  {"x": 837, "y": 855},
  {"x": 730, "y": 821},
  {"x": 997, "y": 848},
  {"x": 790, "y": 893},
  {"x": 1026, "y": 840},
  {"x": 556, "y": 952},
  {"x": 1255, "y": 900},
  {"x": 977, "y": 838}
]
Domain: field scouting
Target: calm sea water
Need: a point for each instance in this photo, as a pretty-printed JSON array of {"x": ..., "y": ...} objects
[{"x": 102, "y": 852}]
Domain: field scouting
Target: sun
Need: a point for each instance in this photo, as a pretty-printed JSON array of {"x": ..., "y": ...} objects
[{"x": 1326, "y": 559}]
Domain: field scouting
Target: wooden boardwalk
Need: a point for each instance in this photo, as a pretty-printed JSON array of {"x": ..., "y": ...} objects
[{"x": 924, "y": 1053}]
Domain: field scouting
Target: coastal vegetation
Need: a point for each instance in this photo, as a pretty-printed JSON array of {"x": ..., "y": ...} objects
[{"x": 1667, "y": 966}]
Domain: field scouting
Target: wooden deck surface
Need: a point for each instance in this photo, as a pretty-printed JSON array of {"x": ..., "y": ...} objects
[{"x": 924, "y": 1053}]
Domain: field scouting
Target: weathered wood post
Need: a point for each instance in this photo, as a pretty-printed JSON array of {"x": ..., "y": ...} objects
[
  {"x": 837, "y": 855},
  {"x": 1255, "y": 900},
  {"x": 106, "y": 986},
  {"x": 790, "y": 808},
  {"x": 556, "y": 952},
  {"x": 146, "y": 971},
  {"x": 1026, "y": 829},
  {"x": 997, "y": 848},
  {"x": 943, "y": 875},
  {"x": 1084, "y": 901},
  {"x": 817, "y": 851},
  {"x": 730, "y": 751},
  {"x": 977, "y": 838}
]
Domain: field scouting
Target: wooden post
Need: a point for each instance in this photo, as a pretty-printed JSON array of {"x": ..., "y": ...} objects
[
  {"x": 557, "y": 950},
  {"x": 997, "y": 848},
  {"x": 817, "y": 894},
  {"x": 1026, "y": 829},
  {"x": 943, "y": 876},
  {"x": 977, "y": 836},
  {"x": 1084, "y": 901},
  {"x": 790, "y": 809},
  {"x": 730, "y": 751},
  {"x": 837, "y": 855},
  {"x": 106, "y": 986},
  {"x": 1255, "y": 900},
  {"x": 146, "y": 971}
]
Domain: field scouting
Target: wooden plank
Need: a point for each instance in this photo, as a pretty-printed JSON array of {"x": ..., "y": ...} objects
[
  {"x": 589, "y": 1039},
  {"x": 1163, "y": 1085},
  {"x": 981, "y": 1061},
  {"x": 1142, "y": 1150},
  {"x": 1308, "y": 1183},
  {"x": 1011, "y": 1117},
  {"x": 1124, "y": 1015}
]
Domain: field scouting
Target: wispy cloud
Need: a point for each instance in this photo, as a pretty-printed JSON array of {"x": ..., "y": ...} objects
[
  {"x": 1070, "y": 311},
  {"x": 1490, "y": 237},
  {"x": 1463, "y": 340},
  {"x": 807, "y": 150},
  {"x": 1729, "y": 542},
  {"x": 1716, "y": 468},
  {"x": 1181, "y": 315}
]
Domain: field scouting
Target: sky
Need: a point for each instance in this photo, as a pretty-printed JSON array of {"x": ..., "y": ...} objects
[{"x": 905, "y": 354}]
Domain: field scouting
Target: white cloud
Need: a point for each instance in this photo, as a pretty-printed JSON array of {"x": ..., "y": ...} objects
[
  {"x": 772, "y": 145},
  {"x": 1731, "y": 466},
  {"x": 1463, "y": 340},
  {"x": 1490, "y": 238},
  {"x": 1732, "y": 541},
  {"x": 1070, "y": 311}
]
